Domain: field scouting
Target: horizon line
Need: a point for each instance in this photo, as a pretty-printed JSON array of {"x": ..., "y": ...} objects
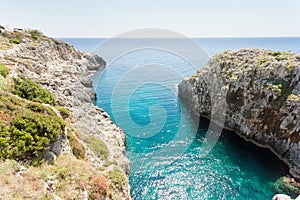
[{"x": 196, "y": 37}]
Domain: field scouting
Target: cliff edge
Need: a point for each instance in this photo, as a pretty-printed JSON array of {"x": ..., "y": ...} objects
[
  {"x": 262, "y": 93},
  {"x": 66, "y": 147}
]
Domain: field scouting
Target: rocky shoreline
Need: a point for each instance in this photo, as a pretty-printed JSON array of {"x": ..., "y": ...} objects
[
  {"x": 66, "y": 72},
  {"x": 258, "y": 93}
]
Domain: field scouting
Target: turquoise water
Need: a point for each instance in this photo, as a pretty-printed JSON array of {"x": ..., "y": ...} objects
[{"x": 168, "y": 164}]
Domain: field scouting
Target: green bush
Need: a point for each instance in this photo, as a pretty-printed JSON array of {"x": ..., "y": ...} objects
[
  {"x": 4, "y": 138},
  {"x": 286, "y": 186},
  {"x": 29, "y": 134},
  {"x": 26, "y": 128},
  {"x": 34, "y": 34},
  {"x": 109, "y": 163},
  {"x": 65, "y": 113},
  {"x": 98, "y": 147},
  {"x": 118, "y": 179},
  {"x": 275, "y": 53},
  {"x": 37, "y": 107},
  {"x": 29, "y": 90},
  {"x": 17, "y": 37},
  {"x": 9, "y": 103},
  {"x": 32, "y": 132},
  {"x": 15, "y": 40},
  {"x": 3, "y": 70},
  {"x": 77, "y": 148}
]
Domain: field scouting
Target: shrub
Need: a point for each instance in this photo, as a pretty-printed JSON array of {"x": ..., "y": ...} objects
[
  {"x": 275, "y": 53},
  {"x": 37, "y": 107},
  {"x": 294, "y": 97},
  {"x": 77, "y": 148},
  {"x": 278, "y": 85},
  {"x": 31, "y": 133},
  {"x": 26, "y": 129},
  {"x": 4, "y": 138},
  {"x": 262, "y": 61},
  {"x": 108, "y": 163},
  {"x": 65, "y": 113},
  {"x": 34, "y": 34},
  {"x": 118, "y": 179},
  {"x": 286, "y": 185},
  {"x": 31, "y": 91},
  {"x": 98, "y": 147},
  {"x": 16, "y": 38},
  {"x": 3, "y": 70},
  {"x": 10, "y": 103},
  {"x": 99, "y": 187}
]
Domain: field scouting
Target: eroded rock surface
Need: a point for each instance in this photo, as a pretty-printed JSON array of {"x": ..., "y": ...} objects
[
  {"x": 261, "y": 91},
  {"x": 66, "y": 73}
]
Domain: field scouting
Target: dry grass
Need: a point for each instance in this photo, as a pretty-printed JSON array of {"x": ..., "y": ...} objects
[
  {"x": 72, "y": 177},
  {"x": 4, "y": 44},
  {"x": 69, "y": 175},
  {"x": 27, "y": 186},
  {"x": 98, "y": 147},
  {"x": 67, "y": 172}
]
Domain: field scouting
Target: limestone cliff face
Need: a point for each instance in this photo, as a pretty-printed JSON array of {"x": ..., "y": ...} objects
[
  {"x": 261, "y": 91},
  {"x": 65, "y": 72}
]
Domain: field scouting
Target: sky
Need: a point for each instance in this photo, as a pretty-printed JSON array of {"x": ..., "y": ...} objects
[{"x": 192, "y": 18}]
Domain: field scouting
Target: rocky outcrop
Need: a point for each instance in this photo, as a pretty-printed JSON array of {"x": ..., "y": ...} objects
[
  {"x": 287, "y": 185},
  {"x": 261, "y": 91},
  {"x": 281, "y": 197},
  {"x": 66, "y": 73}
]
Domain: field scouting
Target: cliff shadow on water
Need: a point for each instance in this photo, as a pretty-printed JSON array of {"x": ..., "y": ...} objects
[
  {"x": 247, "y": 149},
  {"x": 249, "y": 157}
]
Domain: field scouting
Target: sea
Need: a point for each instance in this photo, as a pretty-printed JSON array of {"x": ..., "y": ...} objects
[{"x": 164, "y": 140}]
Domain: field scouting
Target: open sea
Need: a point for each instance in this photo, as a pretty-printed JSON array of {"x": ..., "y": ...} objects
[{"x": 138, "y": 89}]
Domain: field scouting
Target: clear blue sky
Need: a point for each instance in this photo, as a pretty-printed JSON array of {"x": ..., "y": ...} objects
[{"x": 194, "y": 18}]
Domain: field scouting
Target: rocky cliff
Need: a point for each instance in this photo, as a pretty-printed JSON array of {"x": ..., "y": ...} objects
[
  {"x": 261, "y": 91},
  {"x": 65, "y": 72}
]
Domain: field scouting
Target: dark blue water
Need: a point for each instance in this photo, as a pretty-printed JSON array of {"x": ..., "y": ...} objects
[
  {"x": 163, "y": 138},
  {"x": 211, "y": 45}
]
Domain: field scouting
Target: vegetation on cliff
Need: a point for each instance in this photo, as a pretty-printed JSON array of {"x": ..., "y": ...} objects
[
  {"x": 3, "y": 70},
  {"x": 287, "y": 185},
  {"x": 27, "y": 129},
  {"x": 98, "y": 147},
  {"x": 68, "y": 178},
  {"x": 29, "y": 90},
  {"x": 20, "y": 36},
  {"x": 262, "y": 91},
  {"x": 42, "y": 154}
]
